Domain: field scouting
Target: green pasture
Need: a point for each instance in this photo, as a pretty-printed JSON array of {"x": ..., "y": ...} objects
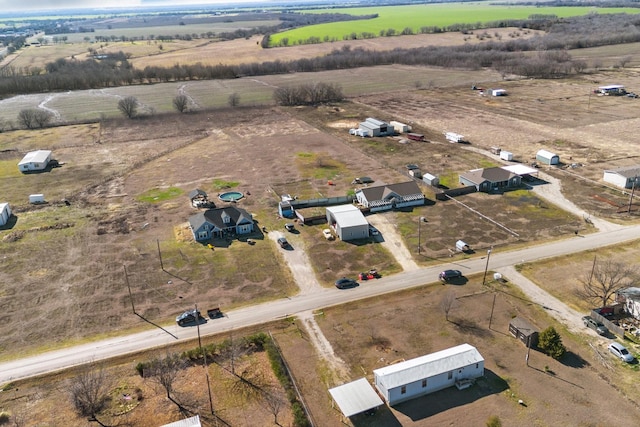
[
  {"x": 157, "y": 195},
  {"x": 428, "y": 15}
]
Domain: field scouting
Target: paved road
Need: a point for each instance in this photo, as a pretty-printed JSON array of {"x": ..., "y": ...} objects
[{"x": 253, "y": 315}]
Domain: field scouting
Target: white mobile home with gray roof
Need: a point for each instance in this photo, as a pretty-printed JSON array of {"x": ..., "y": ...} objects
[{"x": 426, "y": 374}]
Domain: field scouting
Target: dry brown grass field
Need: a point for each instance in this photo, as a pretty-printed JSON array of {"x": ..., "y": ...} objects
[{"x": 64, "y": 265}]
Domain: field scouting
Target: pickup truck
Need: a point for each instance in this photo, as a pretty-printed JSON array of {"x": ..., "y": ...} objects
[{"x": 589, "y": 322}]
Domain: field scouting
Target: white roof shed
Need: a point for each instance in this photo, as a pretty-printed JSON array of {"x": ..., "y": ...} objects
[
  {"x": 187, "y": 422},
  {"x": 355, "y": 397}
]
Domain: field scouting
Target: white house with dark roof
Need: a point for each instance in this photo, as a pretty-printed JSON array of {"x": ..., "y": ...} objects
[
  {"x": 35, "y": 160},
  {"x": 623, "y": 177},
  {"x": 348, "y": 222},
  {"x": 491, "y": 179},
  {"x": 407, "y": 380},
  {"x": 385, "y": 197},
  {"x": 220, "y": 222}
]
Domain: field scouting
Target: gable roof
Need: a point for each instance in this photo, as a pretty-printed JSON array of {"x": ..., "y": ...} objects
[
  {"x": 627, "y": 171},
  {"x": 382, "y": 192},
  {"x": 215, "y": 216},
  {"x": 197, "y": 192},
  {"x": 428, "y": 366},
  {"x": 478, "y": 176},
  {"x": 39, "y": 156}
]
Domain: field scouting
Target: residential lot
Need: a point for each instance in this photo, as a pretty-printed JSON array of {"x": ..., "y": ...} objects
[{"x": 374, "y": 333}]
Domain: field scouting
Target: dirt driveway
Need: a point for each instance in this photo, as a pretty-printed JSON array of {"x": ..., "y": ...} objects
[{"x": 391, "y": 240}]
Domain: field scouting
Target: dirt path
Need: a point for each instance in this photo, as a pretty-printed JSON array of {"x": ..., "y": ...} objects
[
  {"x": 390, "y": 239},
  {"x": 339, "y": 368},
  {"x": 552, "y": 192},
  {"x": 298, "y": 263},
  {"x": 558, "y": 309}
]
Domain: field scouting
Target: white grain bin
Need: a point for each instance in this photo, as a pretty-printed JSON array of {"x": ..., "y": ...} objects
[
  {"x": 506, "y": 155},
  {"x": 36, "y": 198}
]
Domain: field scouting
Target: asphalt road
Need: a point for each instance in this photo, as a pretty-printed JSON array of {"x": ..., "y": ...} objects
[{"x": 65, "y": 358}]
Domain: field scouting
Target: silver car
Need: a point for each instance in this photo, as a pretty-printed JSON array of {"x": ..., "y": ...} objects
[{"x": 620, "y": 352}]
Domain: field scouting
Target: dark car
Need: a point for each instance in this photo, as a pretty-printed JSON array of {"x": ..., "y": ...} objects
[
  {"x": 449, "y": 275},
  {"x": 345, "y": 283},
  {"x": 283, "y": 242},
  {"x": 189, "y": 316}
]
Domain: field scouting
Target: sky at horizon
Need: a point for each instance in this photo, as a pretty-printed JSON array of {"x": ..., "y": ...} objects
[{"x": 34, "y": 5}]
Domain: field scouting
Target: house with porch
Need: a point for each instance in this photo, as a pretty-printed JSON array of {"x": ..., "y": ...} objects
[
  {"x": 491, "y": 179},
  {"x": 385, "y": 197},
  {"x": 220, "y": 223}
]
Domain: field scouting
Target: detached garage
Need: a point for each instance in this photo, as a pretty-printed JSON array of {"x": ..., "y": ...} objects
[
  {"x": 547, "y": 157},
  {"x": 407, "y": 380},
  {"x": 625, "y": 177},
  {"x": 348, "y": 222}
]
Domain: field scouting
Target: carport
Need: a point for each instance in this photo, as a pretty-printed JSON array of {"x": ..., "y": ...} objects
[{"x": 355, "y": 397}]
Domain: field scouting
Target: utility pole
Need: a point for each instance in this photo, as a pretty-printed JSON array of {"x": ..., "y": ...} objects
[
  {"x": 126, "y": 278},
  {"x": 160, "y": 255},
  {"x": 420, "y": 221},
  {"x": 204, "y": 356},
  {"x": 492, "y": 306},
  {"x": 633, "y": 189},
  {"x": 486, "y": 267}
]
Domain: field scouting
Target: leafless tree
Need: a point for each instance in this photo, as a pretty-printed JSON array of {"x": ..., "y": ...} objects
[
  {"x": 275, "y": 404},
  {"x": 27, "y": 118},
  {"x": 605, "y": 278},
  {"x": 42, "y": 118},
  {"x": 447, "y": 303},
  {"x": 128, "y": 106},
  {"x": 164, "y": 372},
  {"x": 181, "y": 103},
  {"x": 234, "y": 99},
  {"x": 89, "y": 391},
  {"x": 624, "y": 61}
]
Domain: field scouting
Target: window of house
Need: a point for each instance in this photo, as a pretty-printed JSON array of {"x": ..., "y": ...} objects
[
  {"x": 403, "y": 389},
  {"x": 424, "y": 383},
  {"x": 450, "y": 375},
  {"x": 477, "y": 365}
]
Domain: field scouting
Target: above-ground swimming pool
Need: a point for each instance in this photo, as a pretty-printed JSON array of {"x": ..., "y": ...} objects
[{"x": 230, "y": 196}]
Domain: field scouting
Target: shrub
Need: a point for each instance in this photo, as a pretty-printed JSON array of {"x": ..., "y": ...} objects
[{"x": 494, "y": 421}]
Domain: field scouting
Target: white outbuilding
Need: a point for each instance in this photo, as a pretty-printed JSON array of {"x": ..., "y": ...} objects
[
  {"x": 35, "y": 161},
  {"x": 5, "y": 213},
  {"x": 355, "y": 397},
  {"x": 348, "y": 222},
  {"x": 547, "y": 157},
  {"x": 623, "y": 177},
  {"x": 407, "y": 380}
]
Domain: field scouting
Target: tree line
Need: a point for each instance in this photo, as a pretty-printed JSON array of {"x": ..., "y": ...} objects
[{"x": 508, "y": 57}]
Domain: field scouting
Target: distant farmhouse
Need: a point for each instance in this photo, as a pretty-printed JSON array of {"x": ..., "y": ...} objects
[
  {"x": 623, "y": 177},
  {"x": 220, "y": 223},
  {"x": 407, "y": 380},
  {"x": 35, "y": 161},
  {"x": 385, "y": 197}
]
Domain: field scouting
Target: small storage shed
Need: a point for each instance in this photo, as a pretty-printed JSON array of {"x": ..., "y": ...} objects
[
  {"x": 461, "y": 246},
  {"x": 432, "y": 180},
  {"x": 426, "y": 374},
  {"x": 498, "y": 92},
  {"x": 399, "y": 127},
  {"x": 348, "y": 222},
  {"x": 547, "y": 157},
  {"x": 506, "y": 155},
  {"x": 36, "y": 198},
  {"x": 187, "y": 422},
  {"x": 524, "y": 331},
  {"x": 5, "y": 213},
  {"x": 35, "y": 160}
]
